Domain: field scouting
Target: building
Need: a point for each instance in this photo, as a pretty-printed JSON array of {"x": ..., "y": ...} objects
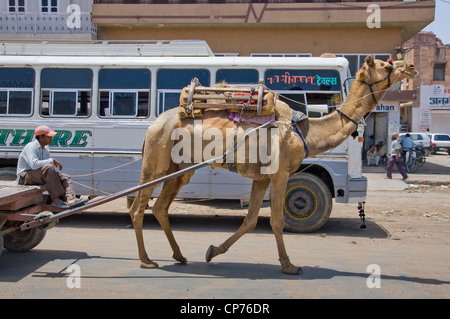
[
  {"x": 251, "y": 27},
  {"x": 348, "y": 28},
  {"x": 431, "y": 110},
  {"x": 46, "y": 20}
]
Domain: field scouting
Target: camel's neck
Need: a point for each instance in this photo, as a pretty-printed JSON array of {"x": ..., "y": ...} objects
[{"x": 325, "y": 133}]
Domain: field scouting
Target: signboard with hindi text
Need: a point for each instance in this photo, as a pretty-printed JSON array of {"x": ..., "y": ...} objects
[
  {"x": 305, "y": 80},
  {"x": 433, "y": 96}
]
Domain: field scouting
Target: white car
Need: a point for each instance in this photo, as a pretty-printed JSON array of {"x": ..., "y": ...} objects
[
  {"x": 420, "y": 139},
  {"x": 440, "y": 141}
]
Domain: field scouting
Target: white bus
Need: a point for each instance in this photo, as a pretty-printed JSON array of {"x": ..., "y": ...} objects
[{"x": 101, "y": 97}]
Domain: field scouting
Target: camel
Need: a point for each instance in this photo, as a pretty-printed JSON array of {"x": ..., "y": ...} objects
[{"x": 319, "y": 135}]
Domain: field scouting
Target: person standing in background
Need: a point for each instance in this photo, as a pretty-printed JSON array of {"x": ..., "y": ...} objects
[{"x": 395, "y": 154}]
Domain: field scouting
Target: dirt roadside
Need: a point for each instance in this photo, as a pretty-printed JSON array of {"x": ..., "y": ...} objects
[{"x": 421, "y": 210}]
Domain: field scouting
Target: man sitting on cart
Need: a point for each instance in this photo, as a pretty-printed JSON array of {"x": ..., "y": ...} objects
[{"x": 36, "y": 167}]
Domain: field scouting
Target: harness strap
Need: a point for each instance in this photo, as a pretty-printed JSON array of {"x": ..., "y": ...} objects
[
  {"x": 347, "y": 117},
  {"x": 388, "y": 77},
  {"x": 303, "y": 140}
]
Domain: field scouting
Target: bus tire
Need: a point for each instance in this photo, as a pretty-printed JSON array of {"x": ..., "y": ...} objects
[
  {"x": 307, "y": 203},
  {"x": 20, "y": 241}
]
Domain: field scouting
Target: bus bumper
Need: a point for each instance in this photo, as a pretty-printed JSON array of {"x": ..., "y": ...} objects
[{"x": 357, "y": 191}]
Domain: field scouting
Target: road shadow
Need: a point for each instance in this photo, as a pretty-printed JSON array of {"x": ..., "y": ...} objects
[
  {"x": 335, "y": 226},
  {"x": 15, "y": 266},
  {"x": 32, "y": 261},
  {"x": 267, "y": 271}
]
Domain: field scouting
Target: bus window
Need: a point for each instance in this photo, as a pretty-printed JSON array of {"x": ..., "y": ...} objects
[
  {"x": 168, "y": 99},
  {"x": 170, "y": 82},
  {"x": 65, "y": 102},
  {"x": 237, "y": 76},
  {"x": 124, "y": 92},
  {"x": 296, "y": 101},
  {"x": 317, "y": 110},
  {"x": 16, "y": 91},
  {"x": 331, "y": 99},
  {"x": 66, "y": 92}
]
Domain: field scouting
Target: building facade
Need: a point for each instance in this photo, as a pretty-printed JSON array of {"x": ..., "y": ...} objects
[
  {"x": 47, "y": 20},
  {"x": 431, "y": 110},
  {"x": 349, "y": 28},
  {"x": 249, "y": 27}
]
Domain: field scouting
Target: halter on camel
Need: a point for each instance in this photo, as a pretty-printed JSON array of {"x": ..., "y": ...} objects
[{"x": 387, "y": 77}]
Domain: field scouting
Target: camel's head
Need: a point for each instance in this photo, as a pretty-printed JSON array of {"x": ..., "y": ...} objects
[{"x": 385, "y": 73}]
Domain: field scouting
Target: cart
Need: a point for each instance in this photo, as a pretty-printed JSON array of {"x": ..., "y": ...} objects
[{"x": 20, "y": 204}]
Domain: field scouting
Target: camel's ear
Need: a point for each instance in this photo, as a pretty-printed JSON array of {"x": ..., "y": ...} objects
[{"x": 370, "y": 61}]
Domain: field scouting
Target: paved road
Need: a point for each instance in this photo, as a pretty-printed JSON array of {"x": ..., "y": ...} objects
[
  {"x": 336, "y": 262},
  {"x": 340, "y": 261}
]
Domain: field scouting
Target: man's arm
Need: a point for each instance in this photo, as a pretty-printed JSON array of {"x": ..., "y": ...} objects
[
  {"x": 397, "y": 153},
  {"x": 30, "y": 154},
  {"x": 57, "y": 164}
]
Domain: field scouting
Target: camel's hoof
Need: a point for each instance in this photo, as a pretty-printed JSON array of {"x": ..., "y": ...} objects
[
  {"x": 149, "y": 264},
  {"x": 292, "y": 270},
  {"x": 209, "y": 253},
  {"x": 181, "y": 259}
]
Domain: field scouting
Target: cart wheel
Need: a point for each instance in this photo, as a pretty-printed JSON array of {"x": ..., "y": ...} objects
[{"x": 20, "y": 241}]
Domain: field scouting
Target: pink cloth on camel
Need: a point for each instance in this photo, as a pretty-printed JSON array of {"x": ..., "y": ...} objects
[{"x": 255, "y": 119}]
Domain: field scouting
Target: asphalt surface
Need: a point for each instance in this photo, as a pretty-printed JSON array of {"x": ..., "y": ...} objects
[{"x": 94, "y": 255}]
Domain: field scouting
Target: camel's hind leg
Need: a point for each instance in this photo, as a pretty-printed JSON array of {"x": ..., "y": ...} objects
[
  {"x": 278, "y": 188},
  {"x": 161, "y": 210},
  {"x": 259, "y": 189}
]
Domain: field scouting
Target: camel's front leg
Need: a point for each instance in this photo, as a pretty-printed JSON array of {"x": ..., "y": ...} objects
[
  {"x": 137, "y": 217},
  {"x": 161, "y": 210},
  {"x": 278, "y": 189},
  {"x": 259, "y": 189}
]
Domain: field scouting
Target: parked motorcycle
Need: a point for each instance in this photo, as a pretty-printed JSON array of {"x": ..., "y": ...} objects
[{"x": 414, "y": 158}]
